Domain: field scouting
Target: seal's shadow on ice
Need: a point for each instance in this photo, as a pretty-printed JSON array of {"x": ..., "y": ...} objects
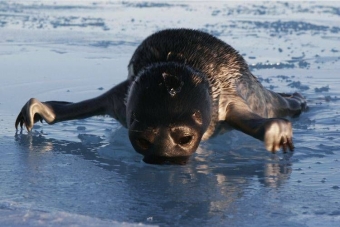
[{"x": 183, "y": 86}]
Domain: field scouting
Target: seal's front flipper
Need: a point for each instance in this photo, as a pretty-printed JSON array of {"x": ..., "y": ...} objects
[
  {"x": 111, "y": 103},
  {"x": 278, "y": 133},
  {"x": 34, "y": 111},
  {"x": 275, "y": 132}
]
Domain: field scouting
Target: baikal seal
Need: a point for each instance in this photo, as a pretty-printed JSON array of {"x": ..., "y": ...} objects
[{"x": 183, "y": 86}]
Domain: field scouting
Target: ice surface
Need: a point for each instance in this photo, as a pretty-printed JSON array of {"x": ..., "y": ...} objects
[
  {"x": 13, "y": 214},
  {"x": 86, "y": 173}
]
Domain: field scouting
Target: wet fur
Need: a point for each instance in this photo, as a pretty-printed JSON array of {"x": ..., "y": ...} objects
[{"x": 231, "y": 82}]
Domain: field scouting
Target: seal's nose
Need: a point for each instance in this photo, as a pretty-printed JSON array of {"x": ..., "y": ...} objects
[
  {"x": 165, "y": 143},
  {"x": 163, "y": 140}
]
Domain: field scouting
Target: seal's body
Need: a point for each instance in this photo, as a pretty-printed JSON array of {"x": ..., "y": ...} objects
[{"x": 183, "y": 86}]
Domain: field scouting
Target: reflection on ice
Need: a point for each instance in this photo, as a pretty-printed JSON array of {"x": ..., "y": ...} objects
[
  {"x": 227, "y": 165},
  {"x": 276, "y": 174}
]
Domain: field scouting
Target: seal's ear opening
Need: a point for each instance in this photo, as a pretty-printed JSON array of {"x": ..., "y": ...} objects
[{"x": 172, "y": 83}]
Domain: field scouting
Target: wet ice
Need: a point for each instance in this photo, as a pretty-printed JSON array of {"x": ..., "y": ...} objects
[{"x": 86, "y": 171}]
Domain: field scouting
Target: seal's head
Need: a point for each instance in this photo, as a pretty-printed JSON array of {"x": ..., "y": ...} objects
[{"x": 168, "y": 111}]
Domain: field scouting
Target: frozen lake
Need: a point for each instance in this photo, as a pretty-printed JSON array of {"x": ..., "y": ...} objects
[{"x": 86, "y": 173}]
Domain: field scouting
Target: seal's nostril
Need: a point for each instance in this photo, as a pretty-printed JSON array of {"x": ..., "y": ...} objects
[
  {"x": 185, "y": 140},
  {"x": 143, "y": 143}
]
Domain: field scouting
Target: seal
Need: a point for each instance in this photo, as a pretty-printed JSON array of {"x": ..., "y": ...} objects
[{"x": 183, "y": 86}]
